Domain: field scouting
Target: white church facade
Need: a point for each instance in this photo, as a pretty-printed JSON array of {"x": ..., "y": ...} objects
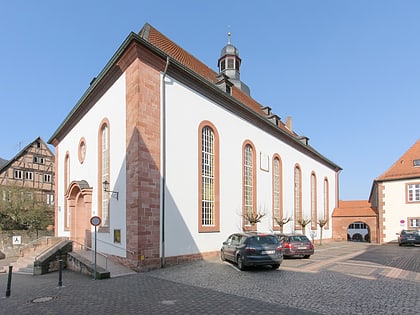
[{"x": 189, "y": 158}]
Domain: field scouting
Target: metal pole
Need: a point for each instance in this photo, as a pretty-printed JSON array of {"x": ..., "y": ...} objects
[
  {"x": 9, "y": 281},
  {"x": 60, "y": 273},
  {"x": 94, "y": 270}
]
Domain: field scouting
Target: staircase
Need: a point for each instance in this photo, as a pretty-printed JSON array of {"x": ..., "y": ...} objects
[
  {"x": 30, "y": 252},
  {"x": 25, "y": 264}
]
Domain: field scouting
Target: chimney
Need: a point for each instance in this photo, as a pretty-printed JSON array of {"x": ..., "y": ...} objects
[{"x": 289, "y": 123}]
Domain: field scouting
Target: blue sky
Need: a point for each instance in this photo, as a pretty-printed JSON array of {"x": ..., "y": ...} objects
[{"x": 347, "y": 72}]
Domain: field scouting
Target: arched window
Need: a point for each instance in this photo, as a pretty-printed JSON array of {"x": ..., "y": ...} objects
[
  {"x": 326, "y": 203},
  {"x": 103, "y": 171},
  {"x": 297, "y": 197},
  {"x": 277, "y": 193},
  {"x": 209, "y": 212},
  {"x": 248, "y": 186},
  {"x": 314, "y": 217},
  {"x": 66, "y": 183}
]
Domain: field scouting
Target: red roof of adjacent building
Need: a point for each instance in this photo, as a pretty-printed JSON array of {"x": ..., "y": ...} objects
[
  {"x": 354, "y": 208},
  {"x": 404, "y": 167}
]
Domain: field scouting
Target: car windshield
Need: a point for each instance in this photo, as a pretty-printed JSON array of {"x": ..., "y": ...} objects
[
  {"x": 262, "y": 240},
  {"x": 409, "y": 232},
  {"x": 299, "y": 238}
]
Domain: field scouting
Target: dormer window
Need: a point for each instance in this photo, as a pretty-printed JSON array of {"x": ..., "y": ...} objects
[{"x": 416, "y": 163}]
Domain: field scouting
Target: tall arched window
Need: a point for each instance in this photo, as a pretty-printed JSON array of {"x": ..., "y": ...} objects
[
  {"x": 209, "y": 213},
  {"x": 314, "y": 217},
  {"x": 248, "y": 186},
  {"x": 66, "y": 183},
  {"x": 297, "y": 197},
  {"x": 326, "y": 203},
  {"x": 103, "y": 172},
  {"x": 277, "y": 193}
]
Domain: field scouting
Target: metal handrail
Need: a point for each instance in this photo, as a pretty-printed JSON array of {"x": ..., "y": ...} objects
[
  {"x": 88, "y": 248},
  {"x": 47, "y": 249},
  {"x": 127, "y": 250},
  {"x": 33, "y": 242}
]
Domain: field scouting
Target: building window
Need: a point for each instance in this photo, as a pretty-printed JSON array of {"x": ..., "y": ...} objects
[
  {"x": 414, "y": 222},
  {"x": 82, "y": 150},
  {"x": 18, "y": 174},
  {"x": 50, "y": 199},
  {"x": 47, "y": 178},
  {"x": 413, "y": 192},
  {"x": 277, "y": 193},
  {"x": 209, "y": 178},
  {"x": 326, "y": 203},
  {"x": 38, "y": 160},
  {"x": 297, "y": 197},
  {"x": 249, "y": 186},
  {"x": 230, "y": 63},
  {"x": 104, "y": 154},
  {"x": 29, "y": 175},
  {"x": 314, "y": 217}
]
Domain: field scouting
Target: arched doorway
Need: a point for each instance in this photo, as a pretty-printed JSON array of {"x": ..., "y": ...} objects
[
  {"x": 79, "y": 198},
  {"x": 358, "y": 232}
]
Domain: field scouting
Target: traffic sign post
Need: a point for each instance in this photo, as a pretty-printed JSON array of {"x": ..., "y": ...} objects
[{"x": 95, "y": 221}]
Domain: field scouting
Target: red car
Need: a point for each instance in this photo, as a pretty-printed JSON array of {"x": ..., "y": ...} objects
[{"x": 296, "y": 245}]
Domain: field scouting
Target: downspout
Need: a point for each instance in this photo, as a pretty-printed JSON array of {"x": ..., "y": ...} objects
[{"x": 163, "y": 187}]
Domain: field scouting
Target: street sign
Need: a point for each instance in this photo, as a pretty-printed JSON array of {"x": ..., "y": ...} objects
[{"x": 95, "y": 220}]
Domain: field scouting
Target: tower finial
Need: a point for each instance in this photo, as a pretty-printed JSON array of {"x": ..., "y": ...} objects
[{"x": 229, "y": 37}]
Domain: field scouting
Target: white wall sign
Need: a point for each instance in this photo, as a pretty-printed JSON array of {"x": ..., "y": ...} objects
[{"x": 17, "y": 240}]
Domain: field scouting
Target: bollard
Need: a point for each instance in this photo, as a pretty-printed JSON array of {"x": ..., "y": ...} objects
[
  {"x": 60, "y": 273},
  {"x": 9, "y": 282}
]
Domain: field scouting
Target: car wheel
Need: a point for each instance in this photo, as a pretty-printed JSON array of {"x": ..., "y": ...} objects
[
  {"x": 222, "y": 256},
  {"x": 240, "y": 262},
  {"x": 306, "y": 256},
  {"x": 399, "y": 244},
  {"x": 275, "y": 266}
]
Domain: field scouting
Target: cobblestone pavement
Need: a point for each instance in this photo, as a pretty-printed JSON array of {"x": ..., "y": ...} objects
[{"x": 344, "y": 278}]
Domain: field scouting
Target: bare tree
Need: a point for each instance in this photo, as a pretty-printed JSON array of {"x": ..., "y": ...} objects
[
  {"x": 254, "y": 218},
  {"x": 304, "y": 223},
  {"x": 283, "y": 221},
  {"x": 321, "y": 223}
]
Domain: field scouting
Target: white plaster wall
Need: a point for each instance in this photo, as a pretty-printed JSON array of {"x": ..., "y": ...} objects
[
  {"x": 396, "y": 208},
  {"x": 185, "y": 110},
  {"x": 111, "y": 106}
]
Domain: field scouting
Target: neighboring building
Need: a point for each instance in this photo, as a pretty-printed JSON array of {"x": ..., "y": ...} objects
[
  {"x": 187, "y": 154},
  {"x": 396, "y": 196},
  {"x": 355, "y": 220},
  {"x": 32, "y": 168}
]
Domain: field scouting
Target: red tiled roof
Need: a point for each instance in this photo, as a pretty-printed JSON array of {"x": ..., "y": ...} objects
[
  {"x": 404, "y": 166},
  {"x": 354, "y": 208},
  {"x": 163, "y": 43}
]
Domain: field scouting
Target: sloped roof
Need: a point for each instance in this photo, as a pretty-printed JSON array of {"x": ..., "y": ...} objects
[
  {"x": 2, "y": 163},
  {"x": 163, "y": 46},
  {"x": 21, "y": 153},
  {"x": 404, "y": 166},
  {"x": 354, "y": 208}
]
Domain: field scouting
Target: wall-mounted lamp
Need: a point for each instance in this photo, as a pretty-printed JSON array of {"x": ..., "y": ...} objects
[{"x": 106, "y": 187}]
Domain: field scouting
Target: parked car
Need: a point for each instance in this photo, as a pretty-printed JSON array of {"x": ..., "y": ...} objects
[
  {"x": 408, "y": 237},
  {"x": 296, "y": 245},
  {"x": 252, "y": 249}
]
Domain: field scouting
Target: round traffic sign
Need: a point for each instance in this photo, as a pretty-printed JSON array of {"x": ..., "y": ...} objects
[{"x": 95, "y": 220}]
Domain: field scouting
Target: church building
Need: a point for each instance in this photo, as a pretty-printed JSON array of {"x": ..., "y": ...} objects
[{"x": 173, "y": 156}]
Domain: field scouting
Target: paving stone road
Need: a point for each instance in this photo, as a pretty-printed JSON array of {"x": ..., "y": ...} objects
[{"x": 340, "y": 278}]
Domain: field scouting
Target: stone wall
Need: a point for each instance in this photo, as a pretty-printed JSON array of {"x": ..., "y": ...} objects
[{"x": 7, "y": 238}]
